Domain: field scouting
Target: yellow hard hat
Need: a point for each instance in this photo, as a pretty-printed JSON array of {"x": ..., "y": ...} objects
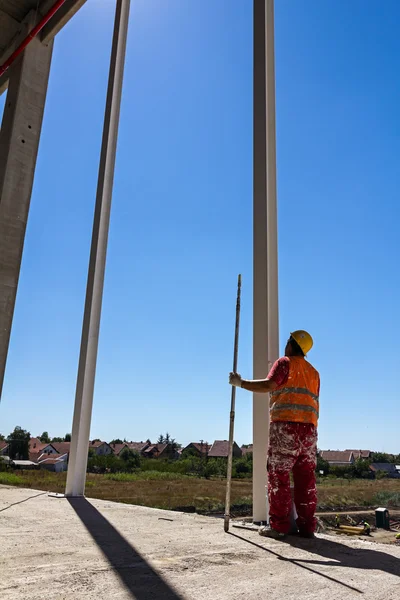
[{"x": 304, "y": 340}]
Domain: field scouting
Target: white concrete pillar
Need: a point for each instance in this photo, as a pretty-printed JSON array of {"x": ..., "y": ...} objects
[
  {"x": 19, "y": 142},
  {"x": 265, "y": 268},
  {"x": 76, "y": 476}
]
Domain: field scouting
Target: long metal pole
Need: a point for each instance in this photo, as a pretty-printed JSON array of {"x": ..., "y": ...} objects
[
  {"x": 232, "y": 413},
  {"x": 265, "y": 269},
  {"x": 94, "y": 293}
]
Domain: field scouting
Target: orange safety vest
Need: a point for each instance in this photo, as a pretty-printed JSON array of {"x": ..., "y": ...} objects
[{"x": 297, "y": 400}]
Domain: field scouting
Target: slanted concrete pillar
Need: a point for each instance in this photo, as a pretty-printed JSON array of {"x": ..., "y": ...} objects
[
  {"x": 76, "y": 477},
  {"x": 19, "y": 142},
  {"x": 265, "y": 268}
]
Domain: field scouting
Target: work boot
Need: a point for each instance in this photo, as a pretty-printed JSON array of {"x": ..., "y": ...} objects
[
  {"x": 310, "y": 535},
  {"x": 271, "y": 533}
]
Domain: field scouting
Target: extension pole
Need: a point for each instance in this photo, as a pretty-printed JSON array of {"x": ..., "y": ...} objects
[
  {"x": 232, "y": 413},
  {"x": 76, "y": 476}
]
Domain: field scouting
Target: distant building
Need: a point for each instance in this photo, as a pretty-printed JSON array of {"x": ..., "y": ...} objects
[
  {"x": 53, "y": 462},
  {"x": 100, "y": 448},
  {"x": 198, "y": 448},
  {"x": 388, "y": 468},
  {"x": 138, "y": 446},
  {"x": 247, "y": 449},
  {"x": 3, "y": 448},
  {"x": 220, "y": 449},
  {"x": 117, "y": 448},
  {"x": 160, "y": 451},
  {"x": 62, "y": 447},
  {"x": 364, "y": 454},
  {"x": 38, "y": 448},
  {"x": 338, "y": 458}
]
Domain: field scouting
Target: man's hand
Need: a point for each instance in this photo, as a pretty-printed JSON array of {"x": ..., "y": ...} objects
[{"x": 235, "y": 379}]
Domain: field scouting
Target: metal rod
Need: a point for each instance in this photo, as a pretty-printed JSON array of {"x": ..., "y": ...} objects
[
  {"x": 94, "y": 293},
  {"x": 232, "y": 413}
]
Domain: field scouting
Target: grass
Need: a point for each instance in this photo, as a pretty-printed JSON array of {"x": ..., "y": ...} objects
[
  {"x": 146, "y": 476},
  {"x": 181, "y": 492},
  {"x": 336, "y": 494},
  {"x": 10, "y": 479}
]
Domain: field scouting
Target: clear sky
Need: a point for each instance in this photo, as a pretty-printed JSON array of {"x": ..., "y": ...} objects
[{"x": 181, "y": 226}]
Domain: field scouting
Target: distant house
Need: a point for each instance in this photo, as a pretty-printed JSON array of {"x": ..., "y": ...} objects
[
  {"x": 338, "y": 458},
  {"x": 364, "y": 454},
  {"x": 198, "y": 448},
  {"x": 117, "y": 448},
  {"x": 62, "y": 447},
  {"x": 3, "y": 448},
  {"x": 53, "y": 462},
  {"x": 37, "y": 448},
  {"x": 160, "y": 451},
  {"x": 138, "y": 446},
  {"x": 220, "y": 449},
  {"x": 247, "y": 449},
  {"x": 100, "y": 448},
  {"x": 388, "y": 468}
]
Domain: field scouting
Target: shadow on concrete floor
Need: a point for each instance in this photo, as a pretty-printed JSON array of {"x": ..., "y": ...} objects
[
  {"x": 345, "y": 556},
  {"x": 139, "y": 578},
  {"x": 297, "y": 562}
]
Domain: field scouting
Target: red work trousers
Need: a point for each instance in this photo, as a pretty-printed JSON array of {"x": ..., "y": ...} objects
[{"x": 292, "y": 448}]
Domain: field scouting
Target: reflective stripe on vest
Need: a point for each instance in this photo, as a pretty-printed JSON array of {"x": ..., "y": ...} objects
[
  {"x": 296, "y": 407},
  {"x": 295, "y": 390}
]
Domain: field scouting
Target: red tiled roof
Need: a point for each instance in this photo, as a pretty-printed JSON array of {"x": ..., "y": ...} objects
[
  {"x": 96, "y": 444},
  {"x": 37, "y": 456},
  {"x": 3, "y": 444},
  {"x": 50, "y": 459},
  {"x": 220, "y": 449},
  {"x": 118, "y": 447},
  {"x": 202, "y": 448},
  {"x": 342, "y": 456},
  {"x": 62, "y": 447},
  {"x": 138, "y": 446},
  {"x": 247, "y": 449},
  {"x": 360, "y": 453},
  {"x": 155, "y": 449},
  {"x": 35, "y": 445}
]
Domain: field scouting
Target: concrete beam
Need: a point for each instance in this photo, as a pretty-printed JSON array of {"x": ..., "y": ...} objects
[
  {"x": 24, "y": 28},
  {"x": 94, "y": 291},
  {"x": 19, "y": 142},
  {"x": 62, "y": 16},
  {"x": 265, "y": 262}
]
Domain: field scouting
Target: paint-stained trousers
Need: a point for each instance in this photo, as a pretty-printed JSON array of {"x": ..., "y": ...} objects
[{"x": 292, "y": 448}]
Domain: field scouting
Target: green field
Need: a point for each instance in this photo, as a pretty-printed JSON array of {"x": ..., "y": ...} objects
[{"x": 182, "y": 492}]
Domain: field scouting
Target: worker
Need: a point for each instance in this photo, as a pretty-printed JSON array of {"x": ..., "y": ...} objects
[
  {"x": 337, "y": 521},
  {"x": 293, "y": 384},
  {"x": 367, "y": 528}
]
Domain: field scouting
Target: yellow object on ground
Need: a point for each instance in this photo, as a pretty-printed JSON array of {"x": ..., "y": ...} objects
[{"x": 350, "y": 529}]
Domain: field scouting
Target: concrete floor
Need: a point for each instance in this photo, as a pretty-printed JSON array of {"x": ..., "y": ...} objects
[{"x": 55, "y": 549}]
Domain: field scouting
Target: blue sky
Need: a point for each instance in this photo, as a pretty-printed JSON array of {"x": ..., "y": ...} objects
[{"x": 181, "y": 221}]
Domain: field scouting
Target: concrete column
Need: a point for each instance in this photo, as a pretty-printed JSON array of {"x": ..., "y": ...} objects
[
  {"x": 19, "y": 142},
  {"x": 265, "y": 268},
  {"x": 76, "y": 476}
]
